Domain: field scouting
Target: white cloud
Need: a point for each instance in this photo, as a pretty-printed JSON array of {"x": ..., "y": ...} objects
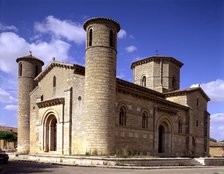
[
  {"x": 11, "y": 107},
  {"x": 5, "y": 97},
  {"x": 217, "y": 125},
  {"x": 122, "y": 34},
  {"x": 7, "y": 27},
  {"x": 214, "y": 89},
  {"x": 130, "y": 48},
  {"x": 13, "y": 46},
  {"x": 217, "y": 118},
  {"x": 55, "y": 48},
  {"x": 62, "y": 29}
]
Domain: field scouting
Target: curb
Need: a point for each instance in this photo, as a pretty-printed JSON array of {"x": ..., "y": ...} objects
[{"x": 118, "y": 167}]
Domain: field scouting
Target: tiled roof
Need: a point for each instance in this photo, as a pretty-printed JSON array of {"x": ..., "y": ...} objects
[{"x": 187, "y": 90}]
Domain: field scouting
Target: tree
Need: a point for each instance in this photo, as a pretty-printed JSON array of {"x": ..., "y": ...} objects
[
  {"x": 8, "y": 136},
  {"x": 213, "y": 140}
]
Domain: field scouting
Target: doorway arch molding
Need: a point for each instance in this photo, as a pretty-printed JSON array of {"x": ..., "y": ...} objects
[{"x": 48, "y": 113}]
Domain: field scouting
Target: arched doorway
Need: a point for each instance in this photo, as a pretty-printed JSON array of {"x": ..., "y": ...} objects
[
  {"x": 164, "y": 138},
  {"x": 193, "y": 146},
  {"x": 161, "y": 147},
  {"x": 50, "y": 133}
]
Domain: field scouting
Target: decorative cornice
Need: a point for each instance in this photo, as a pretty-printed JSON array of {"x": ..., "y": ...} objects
[
  {"x": 101, "y": 19},
  {"x": 153, "y": 58},
  {"x": 167, "y": 110},
  {"x": 29, "y": 58},
  {"x": 52, "y": 102},
  {"x": 146, "y": 94},
  {"x": 136, "y": 88}
]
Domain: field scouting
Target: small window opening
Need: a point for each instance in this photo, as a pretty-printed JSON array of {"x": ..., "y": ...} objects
[
  {"x": 54, "y": 81},
  {"x": 197, "y": 101},
  {"x": 36, "y": 70},
  {"x": 90, "y": 36},
  {"x": 143, "y": 81},
  {"x": 122, "y": 116},
  {"x": 111, "y": 38},
  {"x": 42, "y": 98},
  {"x": 173, "y": 82},
  {"x": 197, "y": 123},
  {"x": 180, "y": 126},
  {"x": 20, "y": 69},
  {"x": 79, "y": 98},
  {"x": 144, "y": 120}
]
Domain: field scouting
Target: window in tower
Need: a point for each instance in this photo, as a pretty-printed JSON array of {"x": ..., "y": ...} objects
[
  {"x": 180, "y": 126},
  {"x": 197, "y": 101},
  {"x": 20, "y": 69},
  {"x": 36, "y": 70},
  {"x": 111, "y": 38},
  {"x": 174, "y": 82},
  {"x": 143, "y": 81},
  {"x": 90, "y": 36},
  {"x": 197, "y": 124}
]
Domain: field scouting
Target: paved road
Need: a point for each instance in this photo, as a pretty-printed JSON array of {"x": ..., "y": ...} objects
[{"x": 21, "y": 167}]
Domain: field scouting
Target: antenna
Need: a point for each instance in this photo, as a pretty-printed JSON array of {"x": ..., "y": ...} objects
[
  {"x": 30, "y": 53},
  {"x": 157, "y": 52}
]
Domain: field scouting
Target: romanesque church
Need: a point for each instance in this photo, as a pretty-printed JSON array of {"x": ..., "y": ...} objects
[{"x": 68, "y": 109}]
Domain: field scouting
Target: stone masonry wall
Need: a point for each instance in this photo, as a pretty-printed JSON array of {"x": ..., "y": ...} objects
[{"x": 145, "y": 140}]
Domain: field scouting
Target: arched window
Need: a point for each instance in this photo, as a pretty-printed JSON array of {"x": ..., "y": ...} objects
[
  {"x": 180, "y": 126},
  {"x": 111, "y": 38},
  {"x": 144, "y": 120},
  {"x": 36, "y": 70},
  {"x": 42, "y": 98},
  {"x": 197, "y": 124},
  {"x": 174, "y": 82},
  {"x": 20, "y": 69},
  {"x": 90, "y": 36},
  {"x": 54, "y": 81},
  {"x": 143, "y": 81},
  {"x": 122, "y": 116}
]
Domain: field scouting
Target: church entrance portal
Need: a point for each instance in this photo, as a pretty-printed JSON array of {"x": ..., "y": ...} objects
[
  {"x": 161, "y": 139},
  {"x": 50, "y": 133},
  {"x": 164, "y": 138}
]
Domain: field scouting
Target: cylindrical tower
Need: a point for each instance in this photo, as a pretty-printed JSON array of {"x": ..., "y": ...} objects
[
  {"x": 28, "y": 68},
  {"x": 100, "y": 85}
]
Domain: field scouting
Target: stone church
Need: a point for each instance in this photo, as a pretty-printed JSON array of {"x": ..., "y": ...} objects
[{"x": 68, "y": 109}]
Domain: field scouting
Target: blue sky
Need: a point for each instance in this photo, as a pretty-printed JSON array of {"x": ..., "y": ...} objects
[{"x": 192, "y": 31}]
